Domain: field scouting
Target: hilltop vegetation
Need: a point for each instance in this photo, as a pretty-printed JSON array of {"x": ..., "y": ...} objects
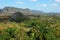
[{"x": 37, "y": 27}]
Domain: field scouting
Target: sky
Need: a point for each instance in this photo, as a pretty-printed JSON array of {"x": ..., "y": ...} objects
[{"x": 42, "y": 5}]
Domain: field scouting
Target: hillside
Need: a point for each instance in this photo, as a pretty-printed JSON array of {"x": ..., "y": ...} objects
[
  {"x": 26, "y": 24},
  {"x": 37, "y": 28},
  {"x": 11, "y": 10}
]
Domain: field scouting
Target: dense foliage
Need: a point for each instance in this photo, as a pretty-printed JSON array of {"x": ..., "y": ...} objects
[{"x": 45, "y": 27}]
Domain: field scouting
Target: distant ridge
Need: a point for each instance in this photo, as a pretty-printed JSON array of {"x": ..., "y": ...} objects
[{"x": 11, "y": 10}]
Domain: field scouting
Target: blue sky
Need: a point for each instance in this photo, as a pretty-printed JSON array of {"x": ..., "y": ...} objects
[{"x": 42, "y": 5}]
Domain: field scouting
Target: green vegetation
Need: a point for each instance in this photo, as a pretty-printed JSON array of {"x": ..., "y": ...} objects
[{"x": 41, "y": 27}]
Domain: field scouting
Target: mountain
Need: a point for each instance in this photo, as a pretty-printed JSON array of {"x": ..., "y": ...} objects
[
  {"x": 18, "y": 17},
  {"x": 37, "y": 12},
  {"x": 0, "y": 10},
  {"x": 11, "y": 10}
]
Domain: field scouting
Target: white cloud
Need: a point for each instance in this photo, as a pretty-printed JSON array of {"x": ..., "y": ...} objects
[
  {"x": 33, "y": 0},
  {"x": 19, "y": 2},
  {"x": 44, "y": 5},
  {"x": 54, "y": 5},
  {"x": 57, "y": 0}
]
